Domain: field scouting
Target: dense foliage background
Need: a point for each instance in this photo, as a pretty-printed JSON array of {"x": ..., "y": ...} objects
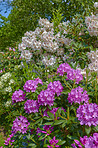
[{"x": 49, "y": 74}]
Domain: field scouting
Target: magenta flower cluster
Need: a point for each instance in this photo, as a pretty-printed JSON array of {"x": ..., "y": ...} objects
[
  {"x": 46, "y": 97},
  {"x": 72, "y": 74},
  {"x": 88, "y": 114},
  {"x": 38, "y": 131},
  {"x": 53, "y": 143},
  {"x": 18, "y": 96},
  {"x": 20, "y": 124},
  {"x": 31, "y": 106},
  {"x": 87, "y": 142},
  {"x": 63, "y": 68},
  {"x": 9, "y": 140},
  {"x": 77, "y": 96},
  {"x": 31, "y": 85},
  {"x": 47, "y": 130},
  {"x": 56, "y": 87}
]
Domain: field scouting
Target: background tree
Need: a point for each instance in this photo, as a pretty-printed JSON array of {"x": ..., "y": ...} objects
[{"x": 25, "y": 14}]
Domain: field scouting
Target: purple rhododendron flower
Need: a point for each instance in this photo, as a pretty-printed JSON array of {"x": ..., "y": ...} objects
[
  {"x": 14, "y": 49},
  {"x": 53, "y": 143},
  {"x": 73, "y": 145},
  {"x": 9, "y": 140},
  {"x": 76, "y": 75},
  {"x": 88, "y": 114},
  {"x": 63, "y": 68},
  {"x": 1, "y": 71},
  {"x": 31, "y": 85},
  {"x": 46, "y": 97},
  {"x": 38, "y": 80},
  {"x": 48, "y": 129},
  {"x": 87, "y": 142},
  {"x": 18, "y": 96},
  {"x": 77, "y": 96},
  {"x": 20, "y": 124},
  {"x": 56, "y": 87},
  {"x": 31, "y": 106},
  {"x": 38, "y": 131},
  {"x": 78, "y": 143},
  {"x": 72, "y": 74},
  {"x": 10, "y": 49}
]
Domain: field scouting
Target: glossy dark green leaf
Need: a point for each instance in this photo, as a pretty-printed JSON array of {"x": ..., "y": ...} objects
[{"x": 57, "y": 122}]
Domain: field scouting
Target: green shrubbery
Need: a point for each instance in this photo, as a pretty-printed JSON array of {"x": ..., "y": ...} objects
[{"x": 58, "y": 92}]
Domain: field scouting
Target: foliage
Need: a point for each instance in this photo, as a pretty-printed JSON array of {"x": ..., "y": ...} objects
[{"x": 58, "y": 120}]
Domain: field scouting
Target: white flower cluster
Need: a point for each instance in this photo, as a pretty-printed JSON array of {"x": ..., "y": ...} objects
[
  {"x": 8, "y": 103},
  {"x": 45, "y": 23},
  {"x": 43, "y": 38},
  {"x": 6, "y": 82},
  {"x": 96, "y": 4},
  {"x": 17, "y": 67},
  {"x": 25, "y": 54},
  {"x": 5, "y": 77},
  {"x": 1, "y": 85},
  {"x": 8, "y": 89},
  {"x": 50, "y": 61},
  {"x": 11, "y": 81},
  {"x": 93, "y": 56},
  {"x": 92, "y": 23}
]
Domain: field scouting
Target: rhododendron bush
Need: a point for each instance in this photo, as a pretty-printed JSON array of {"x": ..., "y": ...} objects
[{"x": 54, "y": 101}]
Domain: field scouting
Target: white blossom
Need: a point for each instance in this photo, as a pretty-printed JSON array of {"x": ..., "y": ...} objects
[
  {"x": 1, "y": 84},
  {"x": 26, "y": 55},
  {"x": 8, "y": 103},
  {"x": 96, "y": 4},
  {"x": 92, "y": 22},
  {"x": 11, "y": 81},
  {"x": 93, "y": 56},
  {"x": 43, "y": 38},
  {"x": 8, "y": 89},
  {"x": 50, "y": 61},
  {"x": 5, "y": 77}
]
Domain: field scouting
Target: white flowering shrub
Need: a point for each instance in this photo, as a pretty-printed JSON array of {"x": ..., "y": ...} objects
[
  {"x": 43, "y": 40},
  {"x": 93, "y": 56},
  {"x": 6, "y": 83},
  {"x": 8, "y": 103},
  {"x": 92, "y": 22}
]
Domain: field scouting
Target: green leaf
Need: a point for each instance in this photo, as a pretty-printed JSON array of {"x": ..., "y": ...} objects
[
  {"x": 95, "y": 128},
  {"x": 37, "y": 117},
  {"x": 42, "y": 137},
  {"x": 61, "y": 142},
  {"x": 39, "y": 120},
  {"x": 48, "y": 123},
  {"x": 50, "y": 115},
  {"x": 28, "y": 136},
  {"x": 48, "y": 138},
  {"x": 32, "y": 145},
  {"x": 45, "y": 145},
  {"x": 57, "y": 122},
  {"x": 65, "y": 92},
  {"x": 46, "y": 118},
  {"x": 72, "y": 137},
  {"x": 88, "y": 130},
  {"x": 64, "y": 124}
]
